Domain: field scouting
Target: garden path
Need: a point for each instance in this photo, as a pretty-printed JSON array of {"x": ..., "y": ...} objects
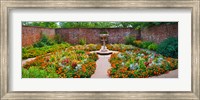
[
  {"x": 26, "y": 60},
  {"x": 102, "y": 66}
]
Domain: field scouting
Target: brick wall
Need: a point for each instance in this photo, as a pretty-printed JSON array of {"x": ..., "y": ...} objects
[
  {"x": 159, "y": 33},
  {"x": 73, "y": 35},
  {"x": 31, "y": 35}
]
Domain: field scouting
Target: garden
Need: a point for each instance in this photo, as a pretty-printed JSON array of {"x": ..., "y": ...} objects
[{"x": 134, "y": 57}]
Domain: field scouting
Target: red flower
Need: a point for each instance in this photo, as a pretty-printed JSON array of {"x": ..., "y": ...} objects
[
  {"x": 74, "y": 64},
  {"x": 66, "y": 61},
  {"x": 146, "y": 63}
]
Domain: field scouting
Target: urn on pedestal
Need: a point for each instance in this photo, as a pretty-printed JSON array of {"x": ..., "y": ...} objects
[{"x": 104, "y": 50}]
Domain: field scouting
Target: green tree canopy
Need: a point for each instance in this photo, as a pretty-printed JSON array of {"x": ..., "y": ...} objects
[
  {"x": 136, "y": 25},
  {"x": 42, "y": 24}
]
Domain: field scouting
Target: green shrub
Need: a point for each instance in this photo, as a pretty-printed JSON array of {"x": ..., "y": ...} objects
[
  {"x": 50, "y": 42},
  {"x": 25, "y": 73},
  {"x": 145, "y": 44},
  {"x": 33, "y": 72},
  {"x": 44, "y": 41},
  {"x": 58, "y": 39},
  {"x": 36, "y": 72},
  {"x": 82, "y": 41},
  {"x": 80, "y": 51},
  {"x": 30, "y": 52},
  {"x": 141, "y": 64},
  {"x": 39, "y": 44},
  {"x": 153, "y": 46},
  {"x": 129, "y": 40},
  {"x": 44, "y": 38},
  {"x": 169, "y": 47},
  {"x": 137, "y": 43}
]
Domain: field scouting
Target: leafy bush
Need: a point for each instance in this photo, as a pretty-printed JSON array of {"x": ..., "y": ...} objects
[
  {"x": 146, "y": 44},
  {"x": 93, "y": 56},
  {"x": 58, "y": 39},
  {"x": 39, "y": 44},
  {"x": 153, "y": 46},
  {"x": 30, "y": 52},
  {"x": 44, "y": 38},
  {"x": 82, "y": 41},
  {"x": 36, "y": 72},
  {"x": 137, "y": 43},
  {"x": 80, "y": 51},
  {"x": 169, "y": 47},
  {"x": 44, "y": 41},
  {"x": 129, "y": 40}
]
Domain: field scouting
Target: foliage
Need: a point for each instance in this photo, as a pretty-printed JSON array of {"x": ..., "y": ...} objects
[
  {"x": 86, "y": 24},
  {"x": 145, "y": 44},
  {"x": 169, "y": 47},
  {"x": 73, "y": 62},
  {"x": 58, "y": 39},
  {"x": 153, "y": 47},
  {"x": 137, "y": 43},
  {"x": 93, "y": 56},
  {"x": 92, "y": 47},
  {"x": 36, "y": 72},
  {"x": 82, "y": 41},
  {"x": 30, "y": 52},
  {"x": 129, "y": 40},
  {"x": 44, "y": 41},
  {"x": 119, "y": 47},
  {"x": 139, "y": 63},
  {"x": 42, "y": 24},
  {"x": 136, "y": 25},
  {"x": 33, "y": 72},
  {"x": 140, "y": 25}
]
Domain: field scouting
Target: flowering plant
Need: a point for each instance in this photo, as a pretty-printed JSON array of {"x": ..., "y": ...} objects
[
  {"x": 73, "y": 62},
  {"x": 139, "y": 63}
]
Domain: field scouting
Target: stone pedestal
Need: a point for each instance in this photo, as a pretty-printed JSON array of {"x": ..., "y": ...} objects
[{"x": 104, "y": 50}]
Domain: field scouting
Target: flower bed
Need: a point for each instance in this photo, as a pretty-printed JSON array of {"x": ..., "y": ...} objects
[
  {"x": 119, "y": 47},
  {"x": 74, "y": 62},
  {"x": 138, "y": 63},
  {"x": 30, "y": 52}
]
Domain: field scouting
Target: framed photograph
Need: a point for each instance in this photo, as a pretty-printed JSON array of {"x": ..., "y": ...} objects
[{"x": 100, "y": 49}]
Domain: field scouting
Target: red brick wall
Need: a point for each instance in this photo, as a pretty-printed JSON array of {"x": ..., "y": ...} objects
[
  {"x": 73, "y": 35},
  {"x": 31, "y": 35},
  {"x": 118, "y": 35},
  {"x": 159, "y": 33}
]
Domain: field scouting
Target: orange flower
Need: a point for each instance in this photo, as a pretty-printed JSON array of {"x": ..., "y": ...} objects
[
  {"x": 113, "y": 65},
  {"x": 43, "y": 65},
  {"x": 83, "y": 69}
]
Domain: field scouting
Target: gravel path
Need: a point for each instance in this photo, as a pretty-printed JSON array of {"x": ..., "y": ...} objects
[{"x": 102, "y": 66}]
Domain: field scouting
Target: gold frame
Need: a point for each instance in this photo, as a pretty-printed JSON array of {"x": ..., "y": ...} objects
[{"x": 6, "y": 5}]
